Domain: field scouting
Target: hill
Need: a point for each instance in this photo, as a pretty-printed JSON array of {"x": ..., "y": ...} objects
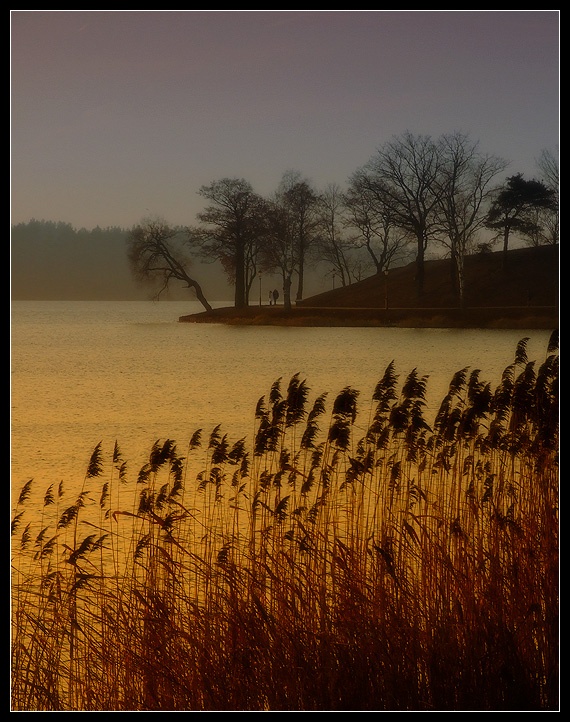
[{"x": 522, "y": 295}]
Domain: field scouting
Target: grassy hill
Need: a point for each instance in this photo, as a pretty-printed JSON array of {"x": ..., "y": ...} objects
[
  {"x": 530, "y": 279},
  {"x": 522, "y": 295}
]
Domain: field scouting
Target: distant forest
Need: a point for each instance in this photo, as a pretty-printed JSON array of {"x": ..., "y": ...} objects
[
  {"x": 416, "y": 199},
  {"x": 54, "y": 261}
]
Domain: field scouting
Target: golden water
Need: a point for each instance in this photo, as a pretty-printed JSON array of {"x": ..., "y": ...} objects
[{"x": 90, "y": 372}]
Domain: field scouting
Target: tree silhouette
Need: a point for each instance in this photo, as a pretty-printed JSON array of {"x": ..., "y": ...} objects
[
  {"x": 463, "y": 188},
  {"x": 301, "y": 202},
  {"x": 512, "y": 209},
  {"x": 401, "y": 177},
  {"x": 155, "y": 254},
  {"x": 231, "y": 231}
]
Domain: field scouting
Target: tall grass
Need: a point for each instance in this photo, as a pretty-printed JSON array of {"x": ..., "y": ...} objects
[{"x": 344, "y": 559}]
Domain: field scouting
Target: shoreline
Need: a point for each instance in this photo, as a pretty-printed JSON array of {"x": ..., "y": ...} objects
[{"x": 539, "y": 317}]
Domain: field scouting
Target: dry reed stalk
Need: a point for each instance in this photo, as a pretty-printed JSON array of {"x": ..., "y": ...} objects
[{"x": 410, "y": 568}]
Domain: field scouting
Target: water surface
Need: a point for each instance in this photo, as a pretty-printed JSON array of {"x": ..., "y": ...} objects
[{"x": 85, "y": 372}]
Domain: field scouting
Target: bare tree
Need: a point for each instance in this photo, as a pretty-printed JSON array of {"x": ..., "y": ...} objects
[
  {"x": 333, "y": 245},
  {"x": 376, "y": 232},
  {"x": 231, "y": 232},
  {"x": 547, "y": 220},
  {"x": 402, "y": 179},
  {"x": 549, "y": 171},
  {"x": 279, "y": 250},
  {"x": 543, "y": 228},
  {"x": 301, "y": 201},
  {"x": 463, "y": 188},
  {"x": 155, "y": 253}
]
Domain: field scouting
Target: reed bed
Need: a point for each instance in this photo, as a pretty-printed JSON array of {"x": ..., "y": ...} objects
[{"x": 348, "y": 557}]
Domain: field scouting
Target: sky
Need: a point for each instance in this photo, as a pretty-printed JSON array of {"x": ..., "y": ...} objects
[{"x": 118, "y": 116}]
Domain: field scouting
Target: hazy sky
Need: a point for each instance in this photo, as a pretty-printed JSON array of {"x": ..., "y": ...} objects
[{"x": 118, "y": 115}]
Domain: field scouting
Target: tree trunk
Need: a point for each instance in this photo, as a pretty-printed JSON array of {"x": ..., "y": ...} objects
[
  {"x": 420, "y": 269},
  {"x": 505, "y": 246},
  {"x": 199, "y": 293},
  {"x": 460, "y": 278},
  {"x": 240, "y": 300},
  {"x": 287, "y": 293},
  {"x": 301, "y": 274},
  {"x": 300, "y": 285}
]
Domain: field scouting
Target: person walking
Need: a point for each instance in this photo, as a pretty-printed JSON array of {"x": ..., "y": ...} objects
[{"x": 275, "y": 297}]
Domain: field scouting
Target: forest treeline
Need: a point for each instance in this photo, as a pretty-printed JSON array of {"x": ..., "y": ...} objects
[
  {"x": 54, "y": 261},
  {"x": 415, "y": 196}
]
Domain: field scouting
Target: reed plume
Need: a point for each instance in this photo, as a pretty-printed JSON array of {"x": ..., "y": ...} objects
[{"x": 393, "y": 564}]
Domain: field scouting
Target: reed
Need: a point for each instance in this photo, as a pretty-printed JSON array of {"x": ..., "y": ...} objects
[{"x": 361, "y": 559}]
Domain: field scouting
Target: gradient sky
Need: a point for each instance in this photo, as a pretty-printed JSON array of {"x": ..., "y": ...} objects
[{"x": 119, "y": 115}]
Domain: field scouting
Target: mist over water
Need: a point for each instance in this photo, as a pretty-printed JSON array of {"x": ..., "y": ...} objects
[{"x": 128, "y": 371}]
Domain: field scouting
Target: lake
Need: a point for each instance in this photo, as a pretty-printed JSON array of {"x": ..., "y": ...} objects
[{"x": 84, "y": 372}]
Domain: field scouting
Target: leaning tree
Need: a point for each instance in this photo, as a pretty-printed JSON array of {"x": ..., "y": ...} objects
[{"x": 156, "y": 255}]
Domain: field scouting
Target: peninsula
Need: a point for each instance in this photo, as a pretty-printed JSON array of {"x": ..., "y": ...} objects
[{"x": 523, "y": 293}]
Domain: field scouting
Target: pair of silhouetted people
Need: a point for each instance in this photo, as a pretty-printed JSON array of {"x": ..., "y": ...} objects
[{"x": 273, "y": 296}]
